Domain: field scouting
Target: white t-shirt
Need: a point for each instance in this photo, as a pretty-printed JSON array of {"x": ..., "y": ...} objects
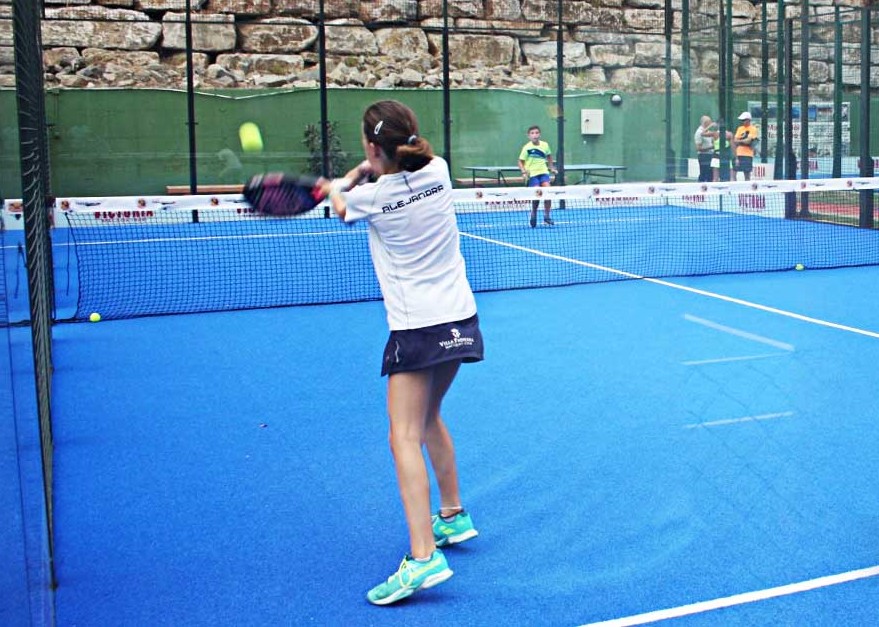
[
  {"x": 704, "y": 142},
  {"x": 415, "y": 247}
]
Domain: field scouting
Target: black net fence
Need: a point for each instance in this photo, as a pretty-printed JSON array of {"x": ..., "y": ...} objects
[
  {"x": 36, "y": 204},
  {"x": 622, "y": 86}
]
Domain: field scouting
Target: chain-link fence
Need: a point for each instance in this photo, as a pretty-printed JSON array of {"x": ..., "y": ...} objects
[{"x": 143, "y": 98}]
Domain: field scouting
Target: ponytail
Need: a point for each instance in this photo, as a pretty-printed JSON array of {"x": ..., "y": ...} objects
[{"x": 413, "y": 156}]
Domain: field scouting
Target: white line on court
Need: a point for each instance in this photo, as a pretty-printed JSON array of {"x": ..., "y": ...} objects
[
  {"x": 739, "y": 333},
  {"x": 735, "y": 421},
  {"x": 724, "y": 360},
  {"x": 739, "y": 599},
  {"x": 685, "y": 288}
]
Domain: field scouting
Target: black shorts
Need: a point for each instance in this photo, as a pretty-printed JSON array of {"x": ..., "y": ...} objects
[
  {"x": 416, "y": 349},
  {"x": 744, "y": 164}
]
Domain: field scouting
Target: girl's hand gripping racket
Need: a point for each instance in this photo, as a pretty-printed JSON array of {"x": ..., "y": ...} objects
[{"x": 279, "y": 194}]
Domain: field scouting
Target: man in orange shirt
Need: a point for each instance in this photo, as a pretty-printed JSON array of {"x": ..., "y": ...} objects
[{"x": 745, "y": 137}]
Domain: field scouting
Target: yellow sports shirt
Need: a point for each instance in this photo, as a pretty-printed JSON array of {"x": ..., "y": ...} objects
[{"x": 534, "y": 157}]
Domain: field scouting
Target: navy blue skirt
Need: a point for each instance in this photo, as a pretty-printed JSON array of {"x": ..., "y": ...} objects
[{"x": 416, "y": 349}]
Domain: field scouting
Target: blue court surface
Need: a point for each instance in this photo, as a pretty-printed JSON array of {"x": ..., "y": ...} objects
[{"x": 700, "y": 450}]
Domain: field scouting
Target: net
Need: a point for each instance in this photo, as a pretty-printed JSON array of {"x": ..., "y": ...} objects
[{"x": 126, "y": 256}]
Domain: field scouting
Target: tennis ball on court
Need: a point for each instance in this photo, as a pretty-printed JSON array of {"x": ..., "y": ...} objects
[
  {"x": 799, "y": 266},
  {"x": 251, "y": 139},
  {"x": 95, "y": 317}
]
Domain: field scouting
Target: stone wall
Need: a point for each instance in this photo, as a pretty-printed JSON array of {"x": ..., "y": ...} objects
[{"x": 608, "y": 44}]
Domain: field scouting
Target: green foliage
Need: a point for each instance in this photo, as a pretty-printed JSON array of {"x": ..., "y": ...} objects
[{"x": 337, "y": 158}]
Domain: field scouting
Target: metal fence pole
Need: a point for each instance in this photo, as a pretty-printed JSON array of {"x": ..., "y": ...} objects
[
  {"x": 560, "y": 93},
  {"x": 722, "y": 89},
  {"x": 686, "y": 141},
  {"x": 780, "y": 109},
  {"x": 322, "y": 76},
  {"x": 190, "y": 101},
  {"x": 790, "y": 159},
  {"x": 764, "y": 81},
  {"x": 669, "y": 151},
  {"x": 865, "y": 219},
  {"x": 728, "y": 68},
  {"x": 447, "y": 89},
  {"x": 837, "y": 94},
  {"x": 37, "y": 201},
  {"x": 805, "y": 161}
]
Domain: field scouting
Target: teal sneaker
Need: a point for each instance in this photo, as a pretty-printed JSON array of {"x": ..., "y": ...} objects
[
  {"x": 411, "y": 577},
  {"x": 459, "y": 529}
]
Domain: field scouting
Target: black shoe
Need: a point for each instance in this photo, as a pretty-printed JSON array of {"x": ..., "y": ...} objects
[
  {"x": 533, "y": 222},
  {"x": 548, "y": 221}
]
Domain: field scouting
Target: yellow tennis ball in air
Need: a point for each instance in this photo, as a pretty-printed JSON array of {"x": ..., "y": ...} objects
[
  {"x": 95, "y": 317},
  {"x": 251, "y": 139},
  {"x": 800, "y": 266}
]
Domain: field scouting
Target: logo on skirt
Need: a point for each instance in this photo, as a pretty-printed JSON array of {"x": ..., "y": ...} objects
[{"x": 457, "y": 340}]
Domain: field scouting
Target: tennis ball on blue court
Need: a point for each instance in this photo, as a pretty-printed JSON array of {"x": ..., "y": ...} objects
[
  {"x": 251, "y": 138},
  {"x": 95, "y": 317},
  {"x": 799, "y": 266}
]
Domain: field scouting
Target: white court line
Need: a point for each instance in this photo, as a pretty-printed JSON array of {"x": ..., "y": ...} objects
[
  {"x": 739, "y": 599},
  {"x": 677, "y": 286},
  {"x": 724, "y": 360},
  {"x": 735, "y": 421}
]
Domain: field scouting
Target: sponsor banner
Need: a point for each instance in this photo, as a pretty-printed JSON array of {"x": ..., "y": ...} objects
[
  {"x": 125, "y": 210},
  {"x": 760, "y": 172},
  {"x": 743, "y": 203},
  {"x": 128, "y": 210},
  {"x": 11, "y": 216},
  {"x": 731, "y": 187}
]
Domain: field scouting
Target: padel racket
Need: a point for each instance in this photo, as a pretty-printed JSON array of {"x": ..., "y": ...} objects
[{"x": 279, "y": 194}]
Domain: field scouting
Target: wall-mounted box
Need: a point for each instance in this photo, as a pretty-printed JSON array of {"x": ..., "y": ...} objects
[{"x": 592, "y": 121}]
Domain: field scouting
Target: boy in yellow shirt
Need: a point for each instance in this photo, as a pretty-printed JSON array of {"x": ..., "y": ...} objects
[{"x": 535, "y": 163}]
